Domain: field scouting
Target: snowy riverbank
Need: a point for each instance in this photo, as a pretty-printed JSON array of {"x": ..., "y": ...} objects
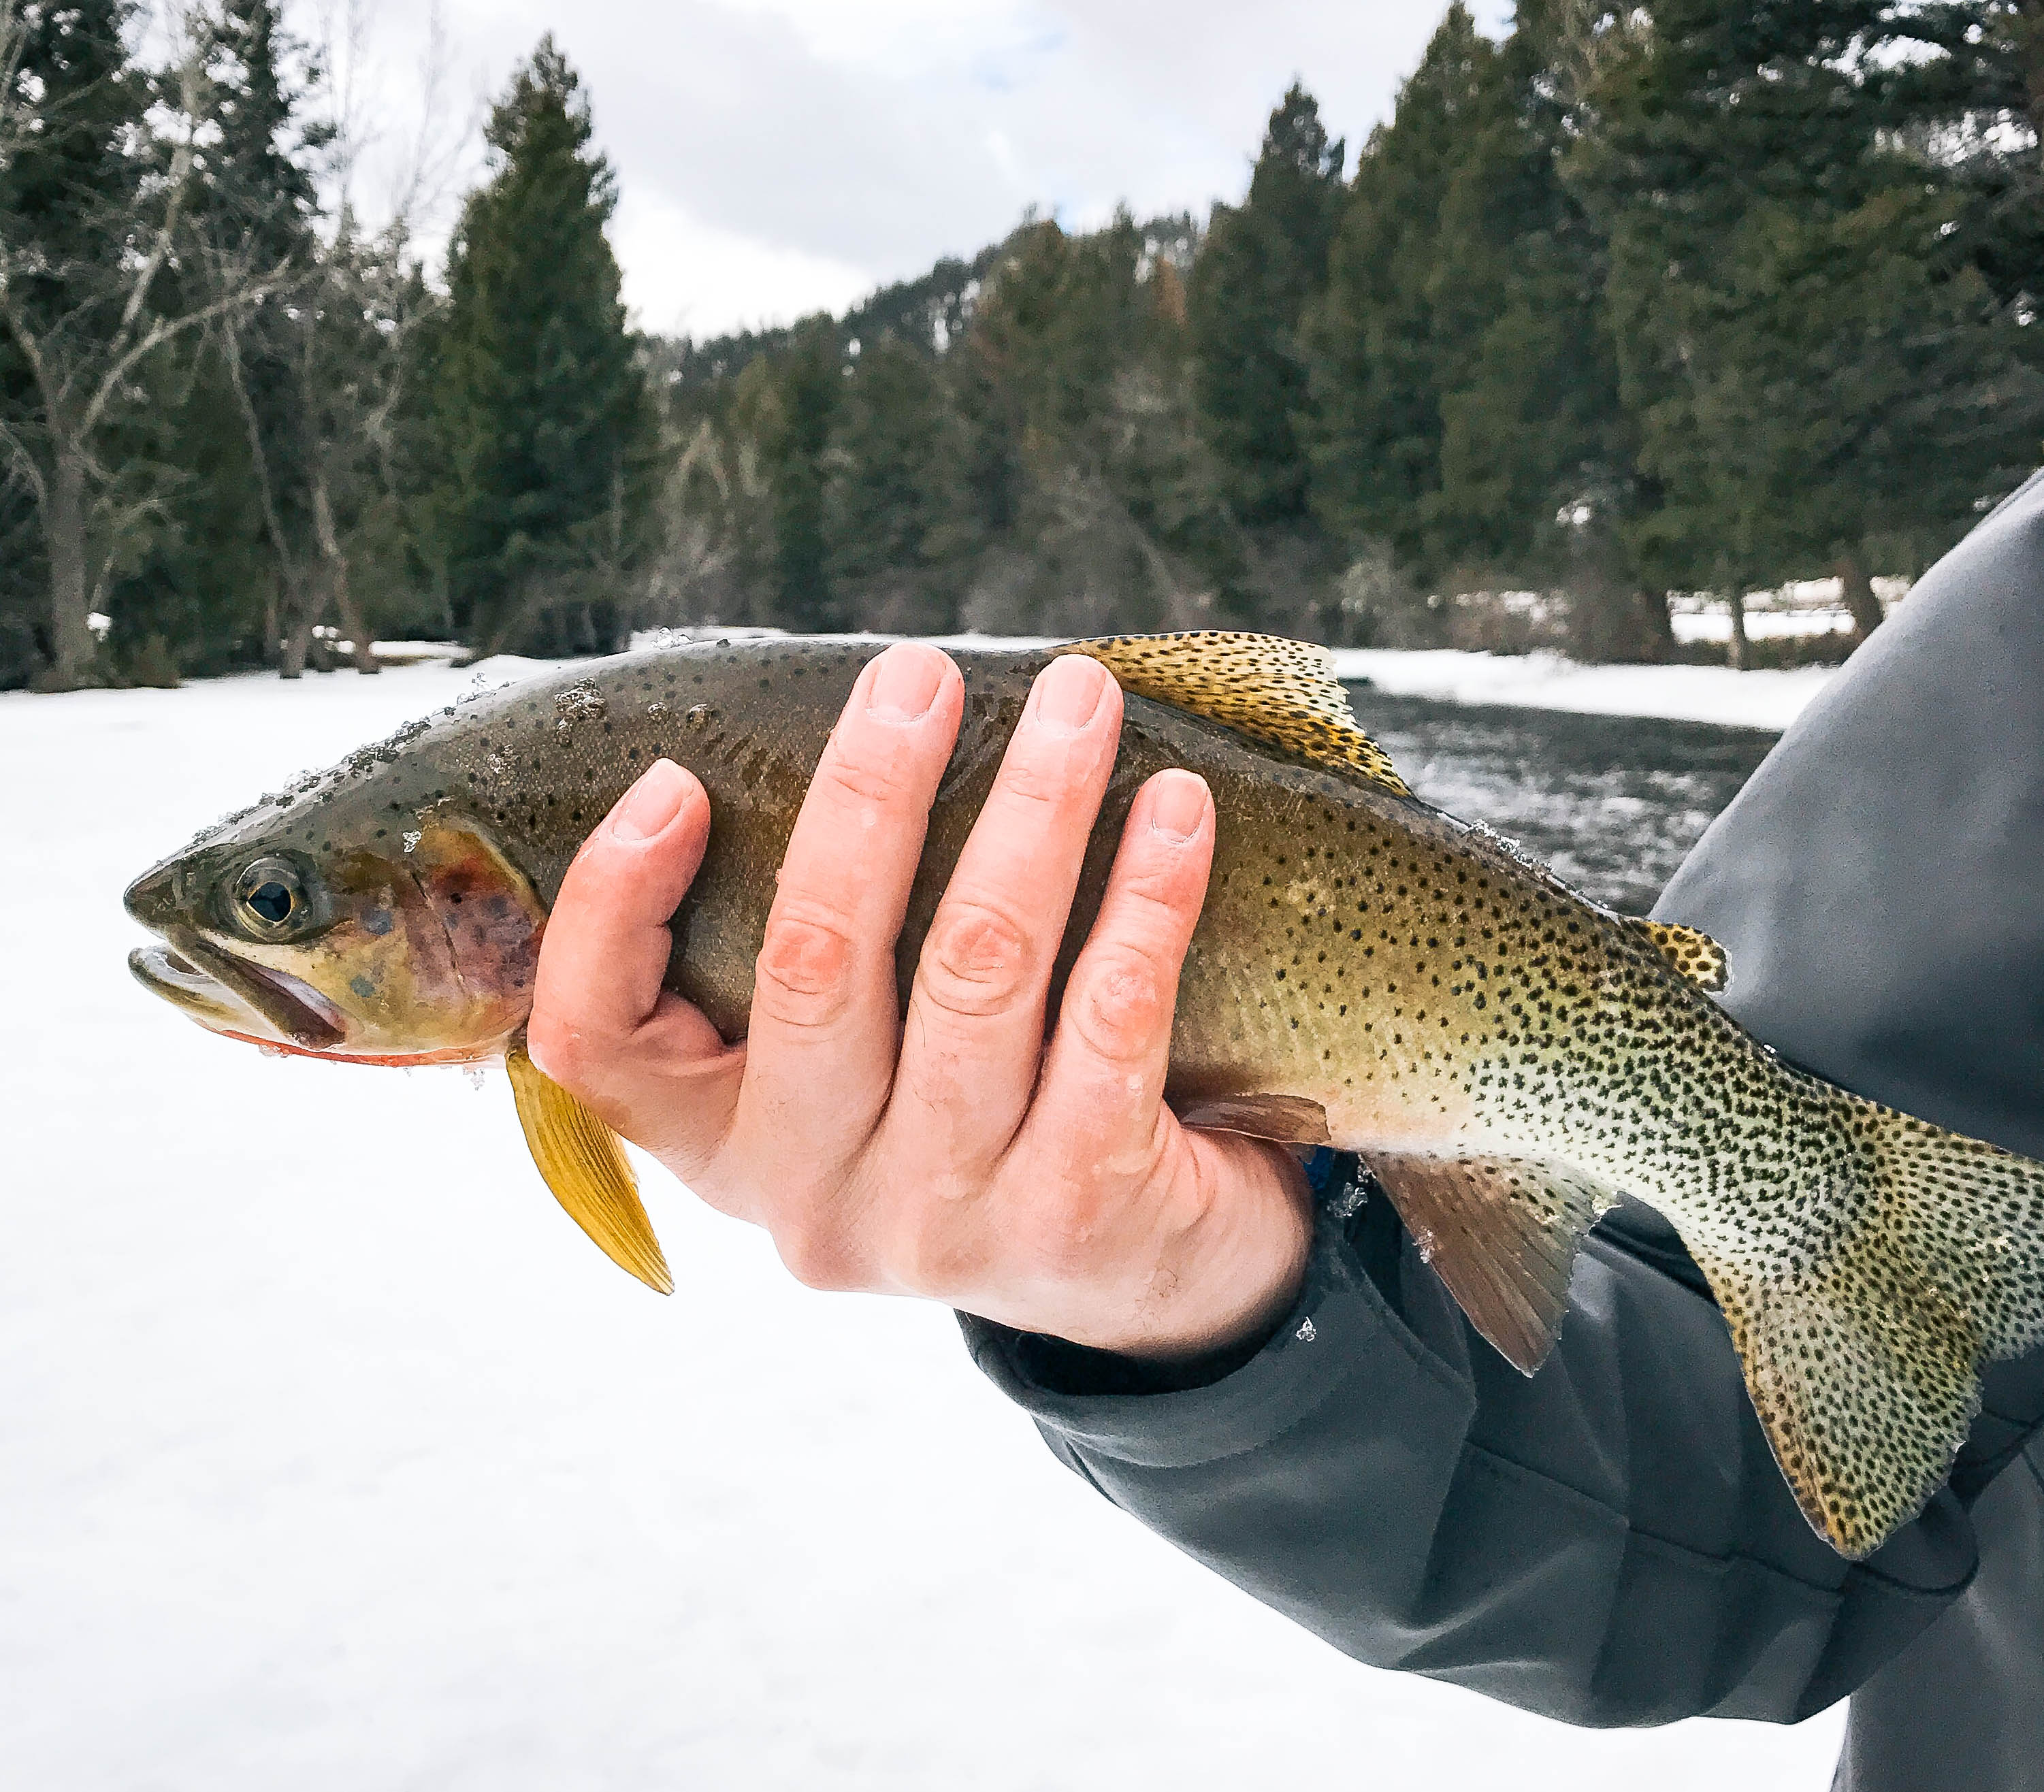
[
  {"x": 1677, "y": 693},
  {"x": 1535, "y": 680},
  {"x": 337, "y": 1459},
  {"x": 1540, "y": 681}
]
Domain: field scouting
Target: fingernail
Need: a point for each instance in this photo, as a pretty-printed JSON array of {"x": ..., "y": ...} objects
[
  {"x": 1177, "y": 806},
  {"x": 649, "y": 806},
  {"x": 906, "y": 683},
  {"x": 1068, "y": 692}
]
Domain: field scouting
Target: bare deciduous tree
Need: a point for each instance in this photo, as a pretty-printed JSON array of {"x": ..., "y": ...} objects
[
  {"x": 80, "y": 310},
  {"x": 346, "y": 332}
]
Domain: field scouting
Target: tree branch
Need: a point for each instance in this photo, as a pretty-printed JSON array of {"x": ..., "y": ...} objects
[
  {"x": 18, "y": 452},
  {"x": 265, "y": 485},
  {"x": 165, "y": 328}
]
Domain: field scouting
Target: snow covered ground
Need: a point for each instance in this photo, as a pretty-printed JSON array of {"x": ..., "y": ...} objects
[
  {"x": 1681, "y": 693},
  {"x": 1538, "y": 680},
  {"x": 336, "y": 1459},
  {"x": 1761, "y": 625},
  {"x": 1797, "y": 610}
]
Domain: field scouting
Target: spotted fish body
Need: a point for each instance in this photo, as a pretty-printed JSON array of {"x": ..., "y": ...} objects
[{"x": 1507, "y": 1055}]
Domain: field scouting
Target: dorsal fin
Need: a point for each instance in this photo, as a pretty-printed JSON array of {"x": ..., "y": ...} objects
[
  {"x": 1284, "y": 693},
  {"x": 1695, "y": 955}
]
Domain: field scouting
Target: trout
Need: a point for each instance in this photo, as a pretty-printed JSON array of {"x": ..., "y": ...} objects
[{"x": 1506, "y": 1055}]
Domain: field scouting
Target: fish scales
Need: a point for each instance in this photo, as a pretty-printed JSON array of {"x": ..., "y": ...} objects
[{"x": 1507, "y": 1055}]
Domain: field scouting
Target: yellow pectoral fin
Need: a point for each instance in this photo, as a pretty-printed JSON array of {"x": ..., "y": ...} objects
[{"x": 586, "y": 1167}]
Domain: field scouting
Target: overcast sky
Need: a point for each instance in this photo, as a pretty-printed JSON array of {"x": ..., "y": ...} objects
[{"x": 780, "y": 156}]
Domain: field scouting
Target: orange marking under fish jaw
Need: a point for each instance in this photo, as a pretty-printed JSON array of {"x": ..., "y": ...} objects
[{"x": 453, "y": 1054}]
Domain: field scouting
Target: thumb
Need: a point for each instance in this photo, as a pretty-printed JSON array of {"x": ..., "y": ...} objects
[{"x": 602, "y": 1026}]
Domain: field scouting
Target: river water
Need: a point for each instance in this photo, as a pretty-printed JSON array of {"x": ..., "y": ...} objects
[{"x": 1612, "y": 802}]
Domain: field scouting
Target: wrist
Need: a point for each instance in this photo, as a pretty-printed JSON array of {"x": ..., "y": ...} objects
[{"x": 1239, "y": 1269}]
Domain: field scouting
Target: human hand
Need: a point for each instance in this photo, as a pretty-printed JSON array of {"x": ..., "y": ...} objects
[{"x": 955, "y": 1152}]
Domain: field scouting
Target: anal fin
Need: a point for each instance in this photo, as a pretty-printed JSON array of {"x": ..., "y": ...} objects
[
  {"x": 586, "y": 1168},
  {"x": 1502, "y": 1233}
]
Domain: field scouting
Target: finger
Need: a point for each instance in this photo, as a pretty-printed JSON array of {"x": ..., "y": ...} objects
[
  {"x": 973, "y": 1034},
  {"x": 823, "y": 1030},
  {"x": 1100, "y": 1115},
  {"x": 602, "y": 1024}
]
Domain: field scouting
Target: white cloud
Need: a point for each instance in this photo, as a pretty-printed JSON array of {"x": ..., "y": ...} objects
[
  {"x": 685, "y": 278},
  {"x": 779, "y": 155}
]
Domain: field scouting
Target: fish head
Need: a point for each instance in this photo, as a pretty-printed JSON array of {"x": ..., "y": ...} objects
[
  {"x": 337, "y": 924},
  {"x": 370, "y": 914}
]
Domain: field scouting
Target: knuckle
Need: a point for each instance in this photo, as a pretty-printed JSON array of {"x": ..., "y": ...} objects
[
  {"x": 1039, "y": 779},
  {"x": 872, "y": 774},
  {"x": 805, "y": 965},
  {"x": 978, "y": 960},
  {"x": 1157, "y": 884},
  {"x": 1062, "y": 1232},
  {"x": 932, "y": 1261},
  {"x": 816, "y": 1256},
  {"x": 1122, "y": 1003},
  {"x": 562, "y": 1050}
]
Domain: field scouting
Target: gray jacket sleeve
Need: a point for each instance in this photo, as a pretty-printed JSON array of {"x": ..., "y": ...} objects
[
  {"x": 1608, "y": 1543},
  {"x": 1611, "y": 1542}
]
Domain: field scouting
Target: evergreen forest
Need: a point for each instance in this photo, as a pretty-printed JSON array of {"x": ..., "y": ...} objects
[{"x": 1687, "y": 297}]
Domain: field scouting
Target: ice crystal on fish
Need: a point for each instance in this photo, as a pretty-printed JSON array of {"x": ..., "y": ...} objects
[{"x": 579, "y": 703}]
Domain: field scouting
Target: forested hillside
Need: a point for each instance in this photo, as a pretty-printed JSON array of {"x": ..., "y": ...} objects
[{"x": 1689, "y": 297}]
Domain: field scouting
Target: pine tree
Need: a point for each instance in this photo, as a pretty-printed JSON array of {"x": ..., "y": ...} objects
[
  {"x": 259, "y": 205},
  {"x": 1970, "y": 93},
  {"x": 1084, "y": 458},
  {"x": 1464, "y": 385},
  {"x": 1378, "y": 362},
  {"x": 1820, "y": 371},
  {"x": 199, "y": 586},
  {"x": 794, "y": 435},
  {"x": 1259, "y": 266},
  {"x": 1537, "y": 477},
  {"x": 544, "y": 418},
  {"x": 896, "y": 499}
]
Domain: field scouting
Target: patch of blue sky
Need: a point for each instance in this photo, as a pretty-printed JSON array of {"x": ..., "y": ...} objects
[{"x": 1014, "y": 65}]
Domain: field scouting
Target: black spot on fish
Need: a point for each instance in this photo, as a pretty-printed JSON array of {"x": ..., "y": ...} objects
[{"x": 377, "y": 921}]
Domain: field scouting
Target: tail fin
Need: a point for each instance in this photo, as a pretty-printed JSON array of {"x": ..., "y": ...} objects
[{"x": 1861, "y": 1343}]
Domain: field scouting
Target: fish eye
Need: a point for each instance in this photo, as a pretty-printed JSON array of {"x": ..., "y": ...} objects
[
  {"x": 272, "y": 901},
  {"x": 271, "y": 897}
]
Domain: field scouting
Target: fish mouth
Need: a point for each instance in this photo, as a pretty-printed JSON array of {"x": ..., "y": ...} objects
[{"x": 229, "y": 995}]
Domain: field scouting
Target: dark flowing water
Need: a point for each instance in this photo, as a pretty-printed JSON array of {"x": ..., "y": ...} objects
[{"x": 1612, "y": 802}]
